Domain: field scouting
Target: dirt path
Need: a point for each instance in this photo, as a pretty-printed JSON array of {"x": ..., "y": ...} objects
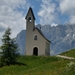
[{"x": 65, "y": 57}]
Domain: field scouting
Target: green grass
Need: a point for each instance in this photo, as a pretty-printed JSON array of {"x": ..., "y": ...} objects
[
  {"x": 70, "y": 53},
  {"x": 33, "y": 65}
]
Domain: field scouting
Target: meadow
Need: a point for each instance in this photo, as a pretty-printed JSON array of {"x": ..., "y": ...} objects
[{"x": 39, "y": 65}]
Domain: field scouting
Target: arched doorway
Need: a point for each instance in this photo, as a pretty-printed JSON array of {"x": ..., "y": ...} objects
[{"x": 35, "y": 51}]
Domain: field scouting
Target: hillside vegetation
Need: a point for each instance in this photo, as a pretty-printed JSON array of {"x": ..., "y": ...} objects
[
  {"x": 37, "y": 65},
  {"x": 70, "y": 53}
]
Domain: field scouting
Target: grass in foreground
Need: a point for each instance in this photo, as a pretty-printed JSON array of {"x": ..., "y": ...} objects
[
  {"x": 70, "y": 53},
  {"x": 33, "y": 65}
]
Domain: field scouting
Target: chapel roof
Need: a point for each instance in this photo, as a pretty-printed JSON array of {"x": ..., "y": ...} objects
[{"x": 41, "y": 34}]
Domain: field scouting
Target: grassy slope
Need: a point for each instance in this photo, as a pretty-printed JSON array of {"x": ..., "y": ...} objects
[
  {"x": 36, "y": 66},
  {"x": 70, "y": 53}
]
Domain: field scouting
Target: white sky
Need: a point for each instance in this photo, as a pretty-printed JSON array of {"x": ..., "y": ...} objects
[{"x": 13, "y": 12}]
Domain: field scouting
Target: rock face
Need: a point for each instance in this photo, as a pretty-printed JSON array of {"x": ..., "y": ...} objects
[
  {"x": 20, "y": 39},
  {"x": 62, "y": 38}
]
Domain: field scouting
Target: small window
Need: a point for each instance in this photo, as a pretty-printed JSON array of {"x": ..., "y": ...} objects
[
  {"x": 30, "y": 19},
  {"x": 35, "y": 37}
]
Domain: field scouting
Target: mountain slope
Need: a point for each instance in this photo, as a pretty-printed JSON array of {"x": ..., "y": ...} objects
[
  {"x": 20, "y": 39},
  {"x": 70, "y": 53},
  {"x": 61, "y": 36}
]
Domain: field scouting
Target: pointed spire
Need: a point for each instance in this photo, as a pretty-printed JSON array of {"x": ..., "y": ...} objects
[{"x": 30, "y": 9}]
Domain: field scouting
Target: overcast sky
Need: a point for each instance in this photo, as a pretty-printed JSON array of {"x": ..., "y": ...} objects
[{"x": 13, "y": 12}]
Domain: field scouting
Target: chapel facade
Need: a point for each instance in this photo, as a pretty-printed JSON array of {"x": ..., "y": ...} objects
[{"x": 36, "y": 43}]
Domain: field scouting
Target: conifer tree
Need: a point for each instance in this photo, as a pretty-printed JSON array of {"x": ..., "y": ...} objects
[{"x": 9, "y": 49}]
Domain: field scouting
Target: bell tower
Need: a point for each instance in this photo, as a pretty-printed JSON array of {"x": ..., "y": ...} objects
[{"x": 30, "y": 25}]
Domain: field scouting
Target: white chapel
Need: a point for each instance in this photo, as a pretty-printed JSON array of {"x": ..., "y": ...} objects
[{"x": 36, "y": 43}]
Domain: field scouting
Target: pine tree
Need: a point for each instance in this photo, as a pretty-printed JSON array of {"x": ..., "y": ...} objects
[{"x": 9, "y": 49}]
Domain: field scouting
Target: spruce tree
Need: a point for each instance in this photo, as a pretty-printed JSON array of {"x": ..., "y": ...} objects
[{"x": 9, "y": 49}]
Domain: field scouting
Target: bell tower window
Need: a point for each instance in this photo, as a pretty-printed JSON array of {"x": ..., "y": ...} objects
[{"x": 30, "y": 19}]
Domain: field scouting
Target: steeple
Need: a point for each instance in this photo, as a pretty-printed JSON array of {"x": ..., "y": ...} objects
[
  {"x": 30, "y": 11},
  {"x": 30, "y": 20}
]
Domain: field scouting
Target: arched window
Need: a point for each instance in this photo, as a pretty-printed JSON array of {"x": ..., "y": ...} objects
[
  {"x": 35, "y": 37},
  {"x": 30, "y": 19}
]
